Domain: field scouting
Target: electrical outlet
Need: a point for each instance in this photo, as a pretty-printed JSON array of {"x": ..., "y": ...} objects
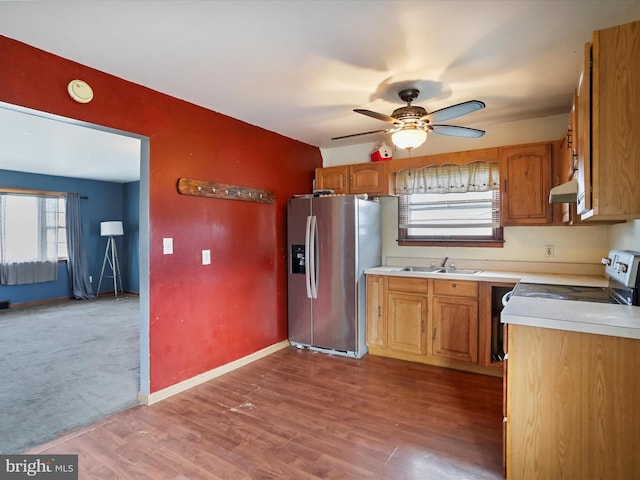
[
  {"x": 548, "y": 250},
  {"x": 90, "y": 278},
  {"x": 167, "y": 246}
]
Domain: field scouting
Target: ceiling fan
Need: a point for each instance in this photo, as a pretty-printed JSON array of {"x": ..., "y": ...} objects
[{"x": 411, "y": 123}]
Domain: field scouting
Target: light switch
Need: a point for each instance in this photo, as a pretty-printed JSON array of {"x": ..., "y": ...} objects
[
  {"x": 206, "y": 257},
  {"x": 167, "y": 246}
]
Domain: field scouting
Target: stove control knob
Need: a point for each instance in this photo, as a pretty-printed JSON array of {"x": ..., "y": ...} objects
[
  {"x": 605, "y": 261},
  {"x": 621, "y": 267}
]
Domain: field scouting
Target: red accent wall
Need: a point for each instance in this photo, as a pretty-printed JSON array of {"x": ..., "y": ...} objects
[{"x": 200, "y": 317}]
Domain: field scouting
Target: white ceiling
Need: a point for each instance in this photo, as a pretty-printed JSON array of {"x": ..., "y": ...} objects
[
  {"x": 39, "y": 144},
  {"x": 299, "y": 67}
]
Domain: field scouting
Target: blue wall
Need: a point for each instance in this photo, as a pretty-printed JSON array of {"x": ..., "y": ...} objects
[
  {"x": 131, "y": 218},
  {"x": 106, "y": 201}
]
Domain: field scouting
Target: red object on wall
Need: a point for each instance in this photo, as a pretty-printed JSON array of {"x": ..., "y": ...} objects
[
  {"x": 200, "y": 317},
  {"x": 383, "y": 152}
]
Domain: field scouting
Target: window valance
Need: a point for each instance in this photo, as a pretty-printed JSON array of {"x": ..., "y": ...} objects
[{"x": 472, "y": 177}]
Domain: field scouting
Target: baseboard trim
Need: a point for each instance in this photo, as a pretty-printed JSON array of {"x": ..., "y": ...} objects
[
  {"x": 156, "y": 397},
  {"x": 36, "y": 303}
]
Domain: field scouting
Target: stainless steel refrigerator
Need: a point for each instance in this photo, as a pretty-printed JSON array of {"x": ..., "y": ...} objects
[{"x": 331, "y": 242}]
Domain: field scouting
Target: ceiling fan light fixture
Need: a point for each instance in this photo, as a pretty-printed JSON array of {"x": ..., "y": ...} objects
[{"x": 409, "y": 138}]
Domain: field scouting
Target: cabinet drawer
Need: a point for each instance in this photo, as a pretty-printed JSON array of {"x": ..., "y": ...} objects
[
  {"x": 455, "y": 288},
  {"x": 404, "y": 284}
]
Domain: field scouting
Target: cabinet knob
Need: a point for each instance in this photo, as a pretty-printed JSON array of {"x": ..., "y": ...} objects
[{"x": 454, "y": 285}]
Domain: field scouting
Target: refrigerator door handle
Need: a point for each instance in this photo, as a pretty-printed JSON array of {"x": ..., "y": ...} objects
[
  {"x": 307, "y": 256},
  {"x": 313, "y": 254}
]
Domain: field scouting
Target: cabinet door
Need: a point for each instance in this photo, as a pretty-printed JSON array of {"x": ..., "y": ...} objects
[
  {"x": 583, "y": 150},
  {"x": 615, "y": 129},
  {"x": 376, "y": 324},
  {"x": 407, "y": 319},
  {"x": 455, "y": 328},
  {"x": 368, "y": 178},
  {"x": 526, "y": 185},
  {"x": 333, "y": 178},
  {"x": 567, "y": 164},
  {"x": 505, "y": 409}
]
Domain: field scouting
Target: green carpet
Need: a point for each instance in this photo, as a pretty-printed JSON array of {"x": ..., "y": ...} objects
[{"x": 66, "y": 365}]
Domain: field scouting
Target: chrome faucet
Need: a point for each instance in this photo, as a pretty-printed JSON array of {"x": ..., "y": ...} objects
[{"x": 444, "y": 262}]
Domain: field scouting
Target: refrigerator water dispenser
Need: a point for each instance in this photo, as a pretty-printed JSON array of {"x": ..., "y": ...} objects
[{"x": 297, "y": 259}]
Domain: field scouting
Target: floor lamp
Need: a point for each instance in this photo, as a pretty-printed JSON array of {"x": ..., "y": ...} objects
[{"x": 111, "y": 229}]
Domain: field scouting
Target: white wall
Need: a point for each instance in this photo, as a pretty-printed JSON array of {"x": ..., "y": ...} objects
[
  {"x": 572, "y": 244},
  {"x": 625, "y": 236}
]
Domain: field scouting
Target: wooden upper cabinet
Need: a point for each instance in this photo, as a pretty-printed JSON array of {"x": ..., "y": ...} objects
[
  {"x": 566, "y": 165},
  {"x": 526, "y": 183},
  {"x": 369, "y": 178},
  {"x": 614, "y": 129},
  {"x": 333, "y": 178},
  {"x": 583, "y": 141}
]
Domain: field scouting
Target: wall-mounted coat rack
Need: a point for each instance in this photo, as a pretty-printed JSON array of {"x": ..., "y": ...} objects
[{"x": 201, "y": 188}]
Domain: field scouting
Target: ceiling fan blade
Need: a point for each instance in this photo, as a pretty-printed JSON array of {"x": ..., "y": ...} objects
[
  {"x": 454, "y": 111},
  {"x": 455, "y": 131},
  {"x": 379, "y": 116},
  {"x": 358, "y": 134}
]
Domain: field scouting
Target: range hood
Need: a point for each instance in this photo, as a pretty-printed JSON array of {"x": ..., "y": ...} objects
[{"x": 564, "y": 193}]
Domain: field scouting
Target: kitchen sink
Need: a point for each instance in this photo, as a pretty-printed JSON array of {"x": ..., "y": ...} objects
[
  {"x": 422, "y": 269},
  {"x": 456, "y": 271}
]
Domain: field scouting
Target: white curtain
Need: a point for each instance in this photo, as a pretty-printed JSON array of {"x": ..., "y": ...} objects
[
  {"x": 473, "y": 177},
  {"x": 28, "y": 239}
]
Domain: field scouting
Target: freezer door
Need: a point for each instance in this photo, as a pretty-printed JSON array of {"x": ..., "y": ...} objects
[
  {"x": 334, "y": 311},
  {"x": 299, "y": 303}
]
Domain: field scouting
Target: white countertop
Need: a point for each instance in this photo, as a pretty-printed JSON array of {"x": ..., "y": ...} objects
[
  {"x": 585, "y": 317},
  {"x": 498, "y": 276}
]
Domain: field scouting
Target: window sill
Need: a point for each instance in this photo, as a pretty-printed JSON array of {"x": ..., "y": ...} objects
[{"x": 452, "y": 243}]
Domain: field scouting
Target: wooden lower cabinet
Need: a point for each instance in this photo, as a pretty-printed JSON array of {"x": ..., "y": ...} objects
[
  {"x": 572, "y": 405},
  {"x": 455, "y": 328},
  {"x": 454, "y": 332},
  {"x": 425, "y": 320},
  {"x": 407, "y": 321},
  {"x": 376, "y": 324}
]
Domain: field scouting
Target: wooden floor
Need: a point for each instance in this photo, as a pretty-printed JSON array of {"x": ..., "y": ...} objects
[{"x": 303, "y": 415}]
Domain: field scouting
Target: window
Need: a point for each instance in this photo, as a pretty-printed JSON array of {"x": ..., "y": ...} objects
[
  {"x": 454, "y": 204},
  {"x": 62, "y": 228},
  {"x": 433, "y": 218},
  {"x": 34, "y": 227}
]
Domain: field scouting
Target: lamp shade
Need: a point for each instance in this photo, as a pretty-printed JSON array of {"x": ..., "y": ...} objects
[
  {"x": 409, "y": 138},
  {"x": 108, "y": 229}
]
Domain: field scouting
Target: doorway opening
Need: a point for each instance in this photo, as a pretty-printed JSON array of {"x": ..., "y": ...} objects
[{"x": 29, "y": 136}]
